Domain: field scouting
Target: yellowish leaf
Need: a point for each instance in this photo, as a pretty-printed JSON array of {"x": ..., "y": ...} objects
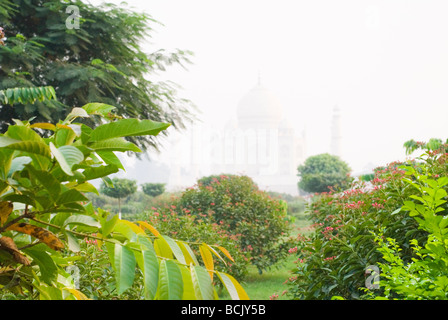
[
  {"x": 44, "y": 235},
  {"x": 43, "y": 125},
  {"x": 226, "y": 252},
  {"x": 149, "y": 227},
  {"x": 6, "y": 208},
  {"x": 77, "y": 294},
  {"x": 207, "y": 258}
]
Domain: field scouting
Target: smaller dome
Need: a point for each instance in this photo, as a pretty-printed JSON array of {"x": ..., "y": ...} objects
[{"x": 259, "y": 104}]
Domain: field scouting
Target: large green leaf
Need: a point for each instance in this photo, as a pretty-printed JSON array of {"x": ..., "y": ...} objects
[
  {"x": 99, "y": 171},
  {"x": 108, "y": 225},
  {"x": 177, "y": 251},
  {"x": 162, "y": 248},
  {"x": 126, "y": 128},
  {"x": 124, "y": 263},
  {"x": 71, "y": 195},
  {"x": 234, "y": 289},
  {"x": 23, "y": 133},
  {"x": 101, "y": 109},
  {"x": 202, "y": 283},
  {"x": 110, "y": 158},
  {"x": 47, "y": 267},
  {"x": 114, "y": 144},
  {"x": 48, "y": 181},
  {"x": 82, "y": 219},
  {"x": 29, "y": 146},
  {"x": 17, "y": 164},
  {"x": 170, "y": 281},
  {"x": 67, "y": 156},
  {"x": 64, "y": 136},
  {"x": 149, "y": 264},
  {"x": 188, "y": 293}
]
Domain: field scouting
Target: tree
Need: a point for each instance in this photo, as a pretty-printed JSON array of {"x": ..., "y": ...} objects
[
  {"x": 120, "y": 188},
  {"x": 101, "y": 61},
  {"x": 321, "y": 172},
  {"x": 153, "y": 189}
]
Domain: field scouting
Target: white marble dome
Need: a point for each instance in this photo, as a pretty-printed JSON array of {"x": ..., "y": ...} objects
[{"x": 259, "y": 106}]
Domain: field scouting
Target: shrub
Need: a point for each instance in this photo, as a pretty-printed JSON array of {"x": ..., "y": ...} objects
[
  {"x": 259, "y": 222},
  {"x": 153, "y": 189},
  {"x": 321, "y": 172}
]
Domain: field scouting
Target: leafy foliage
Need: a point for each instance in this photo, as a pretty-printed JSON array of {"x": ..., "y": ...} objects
[
  {"x": 153, "y": 189},
  {"x": 101, "y": 61},
  {"x": 425, "y": 276},
  {"x": 44, "y": 214},
  {"x": 321, "y": 172},
  {"x": 259, "y": 222},
  {"x": 334, "y": 260}
]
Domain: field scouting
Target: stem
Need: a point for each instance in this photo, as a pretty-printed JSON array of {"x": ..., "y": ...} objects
[{"x": 71, "y": 231}]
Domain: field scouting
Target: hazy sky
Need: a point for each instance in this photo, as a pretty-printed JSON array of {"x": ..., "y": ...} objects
[{"x": 384, "y": 63}]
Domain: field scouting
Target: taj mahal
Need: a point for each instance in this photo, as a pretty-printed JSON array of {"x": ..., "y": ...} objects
[{"x": 258, "y": 141}]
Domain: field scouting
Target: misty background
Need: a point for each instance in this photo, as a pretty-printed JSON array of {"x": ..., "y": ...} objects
[{"x": 383, "y": 63}]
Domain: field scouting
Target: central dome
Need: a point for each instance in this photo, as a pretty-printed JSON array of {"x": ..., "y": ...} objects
[{"x": 259, "y": 107}]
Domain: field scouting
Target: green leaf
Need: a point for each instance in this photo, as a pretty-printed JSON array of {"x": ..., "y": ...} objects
[
  {"x": 114, "y": 144},
  {"x": 64, "y": 137},
  {"x": 234, "y": 289},
  {"x": 71, "y": 195},
  {"x": 72, "y": 242},
  {"x": 50, "y": 183},
  {"x": 124, "y": 263},
  {"x": 162, "y": 248},
  {"x": 17, "y": 164},
  {"x": 189, "y": 255},
  {"x": 75, "y": 113},
  {"x": 126, "y": 128},
  {"x": 202, "y": 283},
  {"x": 67, "y": 156},
  {"x": 99, "y": 171},
  {"x": 47, "y": 267},
  {"x": 110, "y": 158},
  {"x": 82, "y": 219},
  {"x": 101, "y": 109},
  {"x": 29, "y": 146},
  {"x": 177, "y": 251},
  {"x": 144, "y": 240},
  {"x": 108, "y": 226},
  {"x": 23, "y": 133},
  {"x": 188, "y": 293},
  {"x": 149, "y": 264},
  {"x": 170, "y": 281}
]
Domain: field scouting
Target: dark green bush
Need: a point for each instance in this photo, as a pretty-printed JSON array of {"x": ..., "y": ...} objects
[{"x": 236, "y": 204}]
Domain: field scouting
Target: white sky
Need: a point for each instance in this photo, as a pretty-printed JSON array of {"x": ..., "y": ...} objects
[{"x": 384, "y": 63}]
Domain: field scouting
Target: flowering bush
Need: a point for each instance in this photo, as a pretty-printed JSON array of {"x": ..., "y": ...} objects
[
  {"x": 247, "y": 215},
  {"x": 334, "y": 260}
]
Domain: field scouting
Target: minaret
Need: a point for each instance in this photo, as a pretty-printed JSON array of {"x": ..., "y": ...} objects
[{"x": 336, "y": 137}]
